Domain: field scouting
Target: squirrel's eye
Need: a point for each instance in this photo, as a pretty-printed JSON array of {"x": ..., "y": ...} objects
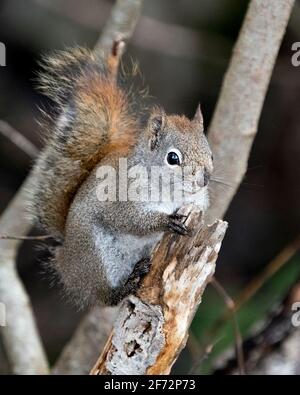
[{"x": 174, "y": 158}]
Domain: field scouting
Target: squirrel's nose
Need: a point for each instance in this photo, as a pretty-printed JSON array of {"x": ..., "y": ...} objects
[{"x": 203, "y": 178}]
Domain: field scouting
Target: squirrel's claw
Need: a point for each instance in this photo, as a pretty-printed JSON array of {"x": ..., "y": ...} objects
[
  {"x": 176, "y": 225},
  {"x": 141, "y": 268},
  {"x": 139, "y": 272}
]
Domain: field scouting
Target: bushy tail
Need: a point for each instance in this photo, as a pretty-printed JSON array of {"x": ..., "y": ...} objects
[{"x": 94, "y": 116}]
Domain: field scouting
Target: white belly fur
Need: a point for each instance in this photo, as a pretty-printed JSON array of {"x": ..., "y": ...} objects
[{"x": 121, "y": 252}]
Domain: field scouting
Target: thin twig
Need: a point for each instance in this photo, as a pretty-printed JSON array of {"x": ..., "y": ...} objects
[
  {"x": 40, "y": 237},
  {"x": 194, "y": 347},
  {"x": 18, "y": 139},
  {"x": 201, "y": 358},
  {"x": 237, "y": 333},
  {"x": 258, "y": 282},
  {"x": 273, "y": 267}
]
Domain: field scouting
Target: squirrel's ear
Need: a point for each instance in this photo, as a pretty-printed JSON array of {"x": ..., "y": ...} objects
[
  {"x": 156, "y": 125},
  {"x": 198, "y": 117}
]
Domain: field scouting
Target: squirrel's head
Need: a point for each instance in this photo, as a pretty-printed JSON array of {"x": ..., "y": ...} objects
[{"x": 178, "y": 146}]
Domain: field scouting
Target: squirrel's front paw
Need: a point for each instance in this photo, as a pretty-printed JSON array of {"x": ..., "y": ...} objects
[{"x": 177, "y": 225}]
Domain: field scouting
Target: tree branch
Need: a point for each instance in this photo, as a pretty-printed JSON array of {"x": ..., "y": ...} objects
[
  {"x": 89, "y": 339},
  {"x": 235, "y": 120},
  {"x": 152, "y": 327},
  {"x": 20, "y": 336},
  {"x": 18, "y": 139},
  {"x": 121, "y": 24}
]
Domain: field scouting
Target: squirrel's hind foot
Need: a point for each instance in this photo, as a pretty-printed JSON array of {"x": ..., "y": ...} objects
[{"x": 132, "y": 285}]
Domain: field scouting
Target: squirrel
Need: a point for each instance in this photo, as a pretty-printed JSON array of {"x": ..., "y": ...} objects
[{"x": 104, "y": 246}]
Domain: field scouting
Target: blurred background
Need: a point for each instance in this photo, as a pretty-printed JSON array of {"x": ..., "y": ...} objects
[{"x": 183, "y": 48}]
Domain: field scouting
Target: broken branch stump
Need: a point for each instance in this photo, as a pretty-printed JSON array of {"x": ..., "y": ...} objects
[{"x": 152, "y": 326}]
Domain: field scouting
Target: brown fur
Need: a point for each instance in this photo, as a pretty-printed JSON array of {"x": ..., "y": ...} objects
[
  {"x": 180, "y": 122},
  {"x": 98, "y": 120}
]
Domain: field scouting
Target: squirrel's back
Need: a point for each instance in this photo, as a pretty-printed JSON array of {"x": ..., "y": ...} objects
[{"x": 94, "y": 116}]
